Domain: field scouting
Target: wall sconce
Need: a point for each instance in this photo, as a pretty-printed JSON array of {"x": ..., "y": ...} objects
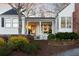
[{"x": 29, "y": 27}]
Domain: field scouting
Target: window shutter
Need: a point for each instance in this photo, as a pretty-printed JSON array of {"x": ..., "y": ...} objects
[{"x": 2, "y": 22}]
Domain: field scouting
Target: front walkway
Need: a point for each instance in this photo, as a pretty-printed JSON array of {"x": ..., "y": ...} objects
[{"x": 71, "y": 52}]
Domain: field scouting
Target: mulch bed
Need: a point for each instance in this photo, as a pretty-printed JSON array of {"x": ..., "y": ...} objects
[
  {"x": 50, "y": 48},
  {"x": 61, "y": 46},
  {"x": 18, "y": 53},
  {"x": 43, "y": 52},
  {"x": 44, "y": 47}
]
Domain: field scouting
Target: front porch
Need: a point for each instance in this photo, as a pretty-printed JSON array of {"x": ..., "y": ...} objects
[{"x": 39, "y": 28}]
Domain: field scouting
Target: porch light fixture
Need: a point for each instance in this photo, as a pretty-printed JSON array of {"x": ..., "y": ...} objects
[{"x": 29, "y": 27}]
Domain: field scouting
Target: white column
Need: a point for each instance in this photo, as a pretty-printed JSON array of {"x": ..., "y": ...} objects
[
  {"x": 23, "y": 25},
  {"x": 56, "y": 25},
  {"x": 27, "y": 27},
  {"x": 52, "y": 27},
  {"x": 40, "y": 27}
]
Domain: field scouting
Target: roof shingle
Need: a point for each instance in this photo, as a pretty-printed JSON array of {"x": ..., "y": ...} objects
[{"x": 10, "y": 12}]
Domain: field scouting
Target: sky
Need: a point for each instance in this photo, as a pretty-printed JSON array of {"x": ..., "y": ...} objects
[
  {"x": 4, "y": 7},
  {"x": 44, "y": 7}
]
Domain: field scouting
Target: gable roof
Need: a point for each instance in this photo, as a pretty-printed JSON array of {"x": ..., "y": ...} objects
[
  {"x": 64, "y": 8},
  {"x": 10, "y": 12}
]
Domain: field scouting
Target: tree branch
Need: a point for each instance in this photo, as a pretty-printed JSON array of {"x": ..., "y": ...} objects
[{"x": 11, "y": 5}]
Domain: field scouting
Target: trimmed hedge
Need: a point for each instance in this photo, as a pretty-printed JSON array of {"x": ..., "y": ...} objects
[
  {"x": 63, "y": 36},
  {"x": 51, "y": 36}
]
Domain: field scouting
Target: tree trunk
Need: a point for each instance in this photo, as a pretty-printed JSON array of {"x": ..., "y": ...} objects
[{"x": 20, "y": 23}]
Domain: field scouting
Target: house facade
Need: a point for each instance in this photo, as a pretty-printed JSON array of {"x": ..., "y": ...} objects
[{"x": 64, "y": 21}]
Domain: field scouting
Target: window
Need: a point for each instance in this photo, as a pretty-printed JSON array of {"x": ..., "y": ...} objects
[
  {"x": 15, "y": 23},
  {"x": 46, "y": 27},
  {"x": 66, "y": 22},
  {"x": 62, "y": 22},
  {"x": 7, "y": 22},
  {"x": 2, "y": 22}
]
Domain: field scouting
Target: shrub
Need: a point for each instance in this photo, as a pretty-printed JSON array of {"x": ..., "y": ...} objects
[
  {"x": 31, "y": 48},
  {"x": 2, "y": 42},
  {"x": 74, "y": 35},
  {"x": 66, "y": 35},
  {"x": 17, "y": 42},
  {"x": 60, "y": 36},
  {"x": 51, "y": 37}
]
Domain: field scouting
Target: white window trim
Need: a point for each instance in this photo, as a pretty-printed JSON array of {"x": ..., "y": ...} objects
[
  {"x": 15, "y": 22},
  {"x": 66, "y": 23},
  {"x": 11, "y": 22},
  {"x": 5, "y": 22},
  {"x": 71, "y": 22},
  {"x": 42, "y": 27}
]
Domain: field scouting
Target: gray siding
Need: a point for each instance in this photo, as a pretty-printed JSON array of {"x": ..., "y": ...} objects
[{"x": 5, "y": 30}]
